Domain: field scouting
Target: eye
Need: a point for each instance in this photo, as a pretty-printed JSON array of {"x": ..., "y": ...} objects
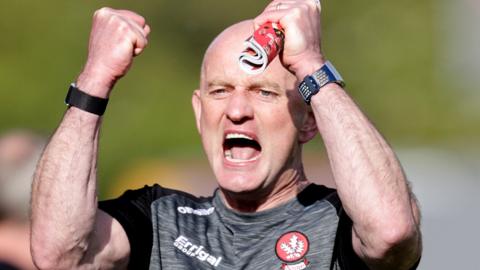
[
  {"x": 217, "y": 92},
  {"x": 266, "y": 94}
]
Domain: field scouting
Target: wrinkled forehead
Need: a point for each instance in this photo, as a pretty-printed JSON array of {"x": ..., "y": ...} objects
[{"x": 221, "y": 61}]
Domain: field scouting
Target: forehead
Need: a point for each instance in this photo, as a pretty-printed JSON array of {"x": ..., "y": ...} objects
[{"x": 227, "y": 72}]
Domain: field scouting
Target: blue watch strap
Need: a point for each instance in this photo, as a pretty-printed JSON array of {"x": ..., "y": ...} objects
[
  {"x": 308, "y": 87},
  {"x": 311, "y": 84}
]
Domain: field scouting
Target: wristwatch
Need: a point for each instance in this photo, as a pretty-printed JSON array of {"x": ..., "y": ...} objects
[
  {"x": 311, "y": 84},
  {"x": 77, "y": 98}
]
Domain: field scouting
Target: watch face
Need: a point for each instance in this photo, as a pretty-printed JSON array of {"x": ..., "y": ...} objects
[
  {"x": 327, "y": 74},
  {"x": 334, "y": 72}
]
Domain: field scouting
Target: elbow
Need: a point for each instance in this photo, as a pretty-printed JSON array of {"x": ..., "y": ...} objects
[
  {"x": 42, "y": 256},
  {"x": 45, "y": 256},
  {"x": 398, "y": 235},
  {"x": 403, "y": 235},
  {"x": 398, "y": 245},
  {"x": 43, "y": 259}
]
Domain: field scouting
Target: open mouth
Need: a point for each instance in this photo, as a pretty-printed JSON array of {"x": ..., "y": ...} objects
[{"x": 239, "y": 147}]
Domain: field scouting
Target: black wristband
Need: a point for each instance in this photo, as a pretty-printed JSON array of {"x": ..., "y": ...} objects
[{"x": 79, "y": 99}]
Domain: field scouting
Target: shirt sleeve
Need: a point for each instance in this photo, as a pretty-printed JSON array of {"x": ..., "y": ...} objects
[
  {"x": 345, "y": 256},
  {"x": 132, "y": 210}
]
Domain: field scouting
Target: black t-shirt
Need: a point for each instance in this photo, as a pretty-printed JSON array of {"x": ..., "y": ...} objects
[
  {"x": 6, "y": 266},
  {"x": 170, "y": 229}
]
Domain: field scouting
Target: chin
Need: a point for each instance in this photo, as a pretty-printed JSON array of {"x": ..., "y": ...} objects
[{"x": 240, "y": 184}]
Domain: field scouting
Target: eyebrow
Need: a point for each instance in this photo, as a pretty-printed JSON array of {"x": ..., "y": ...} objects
[
  {"x": 252, "y": 84},
  {"x": 263, "y": 84},
  {"x": 217, "y": 82}
]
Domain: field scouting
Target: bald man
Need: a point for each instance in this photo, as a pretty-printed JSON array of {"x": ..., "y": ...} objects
[{"x": 265, "y": 213}]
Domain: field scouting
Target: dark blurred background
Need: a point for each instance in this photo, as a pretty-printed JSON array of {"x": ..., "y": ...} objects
[{"x": 413, "y": 67}]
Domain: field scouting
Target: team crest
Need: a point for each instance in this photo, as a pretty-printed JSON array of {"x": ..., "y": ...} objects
[{"x": 291, "y": 248}]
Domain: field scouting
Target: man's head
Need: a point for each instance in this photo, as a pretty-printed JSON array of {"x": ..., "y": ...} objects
[{"x": 252, "y": 126}]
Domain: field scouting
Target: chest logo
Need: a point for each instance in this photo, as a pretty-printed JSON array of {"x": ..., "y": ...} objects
[
  {"x": 188, "y": 248},
  {"x": 198, "y": 212},
  {"x": 291, "y": 248}
]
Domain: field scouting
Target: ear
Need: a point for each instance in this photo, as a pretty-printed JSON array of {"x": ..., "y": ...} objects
[
  {"x": 309, "y": 128},
  {"x": 197, "y": 108}
]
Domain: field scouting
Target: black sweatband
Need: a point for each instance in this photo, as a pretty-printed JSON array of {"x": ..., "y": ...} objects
[{"x": 79, "y": 99}]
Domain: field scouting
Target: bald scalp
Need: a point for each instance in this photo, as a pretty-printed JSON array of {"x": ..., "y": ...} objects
[
  {"x": 220, "y": 61},
  {"x": 232, "y": 38}
]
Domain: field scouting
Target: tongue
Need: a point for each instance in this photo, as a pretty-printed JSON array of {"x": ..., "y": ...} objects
[{"x": 243, "y": 152}]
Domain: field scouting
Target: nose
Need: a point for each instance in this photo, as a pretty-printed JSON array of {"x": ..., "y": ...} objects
[{"x": 239, "y": 108}]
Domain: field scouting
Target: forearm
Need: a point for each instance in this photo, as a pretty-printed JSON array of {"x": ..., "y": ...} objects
[
  {"x": 67, "y": 230},
  {"x": 370, "y": 181},
  {"x": 64, "y": 199}
]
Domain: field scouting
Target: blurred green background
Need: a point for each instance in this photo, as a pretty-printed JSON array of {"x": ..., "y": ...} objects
[
  {"x": 385, "y": 50},
  {"x": 411, "y": 65}
]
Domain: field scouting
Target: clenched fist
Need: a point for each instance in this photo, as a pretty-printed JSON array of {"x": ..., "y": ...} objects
[
  {"x": 301, "y": 21},
  {"x": 116, "y": 37}
]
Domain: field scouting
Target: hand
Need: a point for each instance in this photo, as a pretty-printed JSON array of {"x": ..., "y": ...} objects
[
  {"x": 116, "y": 37},
  {"x": 301, "y": 21}
]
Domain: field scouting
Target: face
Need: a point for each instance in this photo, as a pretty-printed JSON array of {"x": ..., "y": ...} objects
[{"x": 251, "y": 125}]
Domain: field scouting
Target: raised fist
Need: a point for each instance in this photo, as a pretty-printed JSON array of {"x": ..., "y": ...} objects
[
  {"x": 116, "y": 37},
  {"x": 301, "y": 21}
]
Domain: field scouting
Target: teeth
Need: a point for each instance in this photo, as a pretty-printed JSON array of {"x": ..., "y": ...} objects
[
  {"x": 228, "y": 153},
  {"x": 228, "y": 156},
  {"x": 238, "y": 136}
]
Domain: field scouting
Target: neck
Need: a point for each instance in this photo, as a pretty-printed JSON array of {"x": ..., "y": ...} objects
[{"x": 278, "y": 192}]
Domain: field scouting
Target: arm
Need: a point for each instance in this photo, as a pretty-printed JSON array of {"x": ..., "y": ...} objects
[
  {"x": 369, "y": 179},
  {"x": 370, "y": 183},
  {"x": 67, "y": 229}
]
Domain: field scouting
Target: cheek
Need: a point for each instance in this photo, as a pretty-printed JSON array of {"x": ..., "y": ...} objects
[
  {"x": 281, "y": 128},
  {"x": 211, "y": 115},
  {"x": 286, "y": 117}
]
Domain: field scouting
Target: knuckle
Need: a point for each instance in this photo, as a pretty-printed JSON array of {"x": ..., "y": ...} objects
[
  {"x": 102, "y": 12},
  {"x": 142, "y": 19},
  {"x": 315, "y": 4},
  {"x": 123, "y": 27},
  {"x": 257, "y": 20},
  {"x": 118, "y": 21},
  {"x": 307, "y": 6},
  {"x": 297, "y": 12},
  {"x": 147, "y": 29}
]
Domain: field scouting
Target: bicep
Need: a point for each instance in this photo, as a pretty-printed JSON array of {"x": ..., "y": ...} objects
[{"x": 109, "y": 245}]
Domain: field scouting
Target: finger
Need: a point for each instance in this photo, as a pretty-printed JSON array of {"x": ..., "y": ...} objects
[
  {"x": 132, "y": 16},
  {"x": 140, "y": 45},
  {"x": 285, "y": 4},
  {"x": 146, "y": 30},
  {"x": 318, "y": 5},
  {"x": 137, "y": 51},
  {"x": 138, "y": 28},
  {"x": 275, "y": 2},
  {"x": 139, "y": 37},
  {"x": 279, "y": 5},
  {"x": 269, "y": 16}
]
